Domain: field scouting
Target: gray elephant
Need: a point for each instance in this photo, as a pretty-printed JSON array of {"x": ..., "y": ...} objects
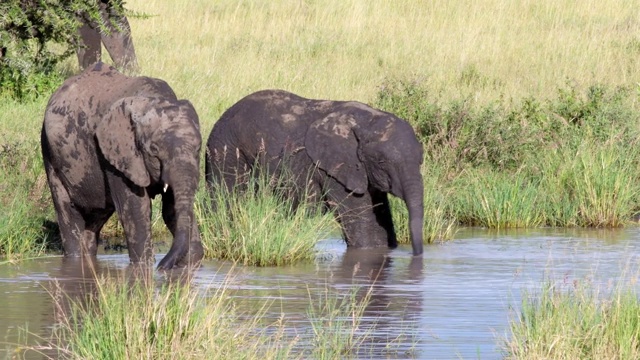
[
  {"x": 112, "y": 143},
  {"x": 346, "y": 153}
]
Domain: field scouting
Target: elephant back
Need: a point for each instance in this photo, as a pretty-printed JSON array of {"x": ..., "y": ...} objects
[{"x": 100, "y": 85}]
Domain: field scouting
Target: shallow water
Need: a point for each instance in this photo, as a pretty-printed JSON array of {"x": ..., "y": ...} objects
[{"x": 454, "y": 303}]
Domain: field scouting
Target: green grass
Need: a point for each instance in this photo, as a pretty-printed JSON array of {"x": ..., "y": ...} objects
[
  {"x": 135, "y": 318},
  {"x": 23, "y": 232},
  {"x": 496, "y": 91},
  {"x": 259, "y": 226},
  {"x": 336, "y": 322},
  {"x": 497, "y": 200},
  {"x": 132, "y": 319},
  {"x": 595, "y": 185},
  {"x": 576, "y": 321}
]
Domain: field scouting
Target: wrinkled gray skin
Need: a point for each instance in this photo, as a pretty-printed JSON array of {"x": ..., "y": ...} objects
[
  {"x": 361, "y": 154},
  {"x": 112, "y": 143}
]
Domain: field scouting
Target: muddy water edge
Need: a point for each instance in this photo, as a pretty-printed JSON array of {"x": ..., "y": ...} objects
[{"x": 455, "y": 302}]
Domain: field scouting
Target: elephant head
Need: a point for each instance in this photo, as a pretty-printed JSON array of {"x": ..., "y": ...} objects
[
  {"x": 155, "y": 143},
  {"x": 363, "y": 149}
]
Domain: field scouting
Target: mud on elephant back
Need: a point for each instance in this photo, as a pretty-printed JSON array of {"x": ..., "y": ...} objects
[
  {"x": 112, "y": 143},
  {"x": 349, "y": 154}
]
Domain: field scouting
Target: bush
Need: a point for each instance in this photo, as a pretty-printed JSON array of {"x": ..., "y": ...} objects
[
  {"x": 37, "y": 35},
  {"x": 568, "y": 161}
]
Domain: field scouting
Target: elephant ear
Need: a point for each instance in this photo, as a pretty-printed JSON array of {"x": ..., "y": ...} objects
[
  {"x": 333, "y": 147},
  {"x": 116, "y": 134}
]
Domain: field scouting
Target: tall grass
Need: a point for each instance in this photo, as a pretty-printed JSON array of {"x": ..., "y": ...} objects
[
  {"x": 497, "y": 200},
  {"x": 576, "y": 321},
  {"x": 260, "y": 226},
  {"x": 595, "y": 185},
  {"x": 567, "y": 161},
  {"x": 337, "y": 323},
  {"x": 135, "y": 318},
  {"x": 23, "y": 202},
  {"x": 217, "y": 53}
]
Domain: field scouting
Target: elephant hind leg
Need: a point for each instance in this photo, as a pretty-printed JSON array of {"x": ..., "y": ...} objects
[
  {"x": 70, "y": 220},
  {"x": 93, "y": 225}
]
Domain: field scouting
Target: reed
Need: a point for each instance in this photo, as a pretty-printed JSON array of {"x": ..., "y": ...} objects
[
  {"x": 336, "y": 322},
  {"x": 135, "y": 317},
  {"x": 576, "y": 321},
  {"x": 260, "y": 226},
  {"x": 23, "y": 201},
  {"x": 593, "y": 186},
  {"x": 497, "y": 200}
]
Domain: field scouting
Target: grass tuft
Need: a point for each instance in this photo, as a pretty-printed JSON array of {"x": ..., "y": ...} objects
[
  {"x": 576, "y": 321},
  {"x": 259, "y": 226}
]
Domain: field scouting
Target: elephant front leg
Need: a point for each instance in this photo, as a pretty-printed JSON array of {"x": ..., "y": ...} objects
[
  {"x": 365, "y": 219},
  {"x": 134, "y": 211}
]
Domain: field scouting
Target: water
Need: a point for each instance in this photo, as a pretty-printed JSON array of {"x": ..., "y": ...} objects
[{"x": 454, "y": 303}]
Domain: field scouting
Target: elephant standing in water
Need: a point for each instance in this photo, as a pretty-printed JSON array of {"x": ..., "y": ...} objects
[
  {"x": 111, "y": 143},
  {"x": 360, "y": 155}
]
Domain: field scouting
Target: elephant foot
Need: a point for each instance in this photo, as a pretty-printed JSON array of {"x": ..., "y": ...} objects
[{"x": 174, "y": 259}]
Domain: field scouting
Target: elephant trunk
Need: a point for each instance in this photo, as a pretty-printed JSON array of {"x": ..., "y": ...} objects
[
  {"x": 179, "y": 215},
  {"x": 414, "y": 199}
]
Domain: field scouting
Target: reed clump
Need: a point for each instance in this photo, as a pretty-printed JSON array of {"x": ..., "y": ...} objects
[
  {"x": 576, "y": 321},
  {"x": 137, "y": 318},
  {"x": 259, "y": 225}
]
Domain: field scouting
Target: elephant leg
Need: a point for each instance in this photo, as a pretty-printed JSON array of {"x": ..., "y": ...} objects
[
  {"x": 118, "y": 41},
  {"x": 93, "y": 225},
  {"x": 134, "y": 210},
  {"x": 70, "y": 220},
  {"x": 365, "y": 219},
  {"x": 382, "y": 212},
  {"x": 90, "y": 48}
]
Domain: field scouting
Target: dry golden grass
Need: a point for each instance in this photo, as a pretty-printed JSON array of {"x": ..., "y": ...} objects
[{"x": 214, "y": 53}]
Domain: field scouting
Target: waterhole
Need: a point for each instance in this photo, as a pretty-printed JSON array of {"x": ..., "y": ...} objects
[{"x": 454, "y": 302}]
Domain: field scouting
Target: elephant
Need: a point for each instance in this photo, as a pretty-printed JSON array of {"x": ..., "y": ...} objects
[
  {"x": 112, "y": 143},
  {"x": 344, "y": 154},
  {"x": 117, "y": 40}
]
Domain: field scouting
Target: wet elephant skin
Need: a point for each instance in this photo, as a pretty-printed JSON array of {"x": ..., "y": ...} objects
[
  {"x": 344, "y": 153},
  {"x": 112, "y": 143}
]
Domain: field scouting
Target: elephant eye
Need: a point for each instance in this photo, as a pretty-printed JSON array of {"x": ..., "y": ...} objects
[{"x": 153, "y": 148}]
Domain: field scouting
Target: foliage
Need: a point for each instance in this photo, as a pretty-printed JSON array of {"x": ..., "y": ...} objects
[
  {"x": 567, "y": 161},
  {"x": 35, "y": 37},
  {"x": 22, "y": 223},
  {"x": 504, "y": 136}
]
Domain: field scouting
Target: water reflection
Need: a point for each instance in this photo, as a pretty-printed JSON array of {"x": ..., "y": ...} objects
[
  {"x": 453, "y": 303},
  {"x": 392, "y": 315}
]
